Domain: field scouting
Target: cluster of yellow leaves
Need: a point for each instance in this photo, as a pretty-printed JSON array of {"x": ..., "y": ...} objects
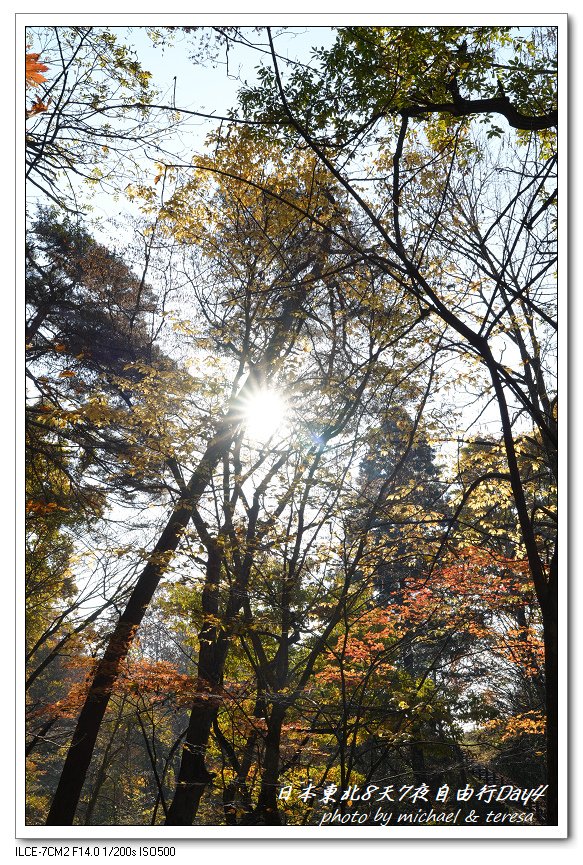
[{"x": 243, "y": 186}]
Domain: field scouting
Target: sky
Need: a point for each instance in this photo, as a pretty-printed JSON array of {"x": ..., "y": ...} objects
[{"x": 214, "y": 87}]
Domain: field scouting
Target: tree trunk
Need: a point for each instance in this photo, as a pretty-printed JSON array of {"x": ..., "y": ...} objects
[
  {"x": 550, "y": 623},
  {"x": 101, "y": 776},
  {"x": 193, "y": 776},
  {"x": 267, "y": 812}
]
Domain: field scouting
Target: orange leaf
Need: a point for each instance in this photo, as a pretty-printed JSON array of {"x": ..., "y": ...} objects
[
  {"x": 36, "y": 108},
  {"x": 34, "y": 70}
]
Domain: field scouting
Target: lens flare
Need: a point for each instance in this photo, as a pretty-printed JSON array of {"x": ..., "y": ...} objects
[{"x": 264, "y": 415}]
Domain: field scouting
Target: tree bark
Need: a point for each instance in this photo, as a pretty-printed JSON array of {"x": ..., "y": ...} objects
[
  {"x": 267, "y": 812},
  {"x": 102, "y": 771},
  {"x": 193, "y": 776},
  {"x": 550, "y": 624}
]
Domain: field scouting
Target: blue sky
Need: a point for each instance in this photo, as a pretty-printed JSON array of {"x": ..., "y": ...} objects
[{"x": 213, "y": 87}]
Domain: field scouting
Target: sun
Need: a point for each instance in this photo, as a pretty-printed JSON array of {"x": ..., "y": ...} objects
[{"x": 264, "y": 415}]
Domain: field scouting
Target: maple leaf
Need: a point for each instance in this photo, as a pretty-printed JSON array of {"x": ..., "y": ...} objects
[
  {"x": 34, "y": 70},
  {"x": 36, "y": 108}
]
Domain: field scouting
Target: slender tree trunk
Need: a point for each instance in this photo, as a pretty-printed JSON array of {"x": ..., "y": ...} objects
[
  {"x": 101, "y": 777},
  {"x": 193, "y": 776},
  {"x": 547, "y": 595},
  {"x": 416, "y": 753},
  {"x": 267, "y": 811},
  {"x": 38, "y": 737},
  {"x": 552, "y": 735},
  {"x": 167, "y": 762},
  {"x": 550, "y": 623},
  {"x": 214, "y": 646}
]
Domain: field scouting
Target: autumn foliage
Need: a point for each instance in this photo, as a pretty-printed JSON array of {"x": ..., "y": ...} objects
[{"x": 34, "y": 70}]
